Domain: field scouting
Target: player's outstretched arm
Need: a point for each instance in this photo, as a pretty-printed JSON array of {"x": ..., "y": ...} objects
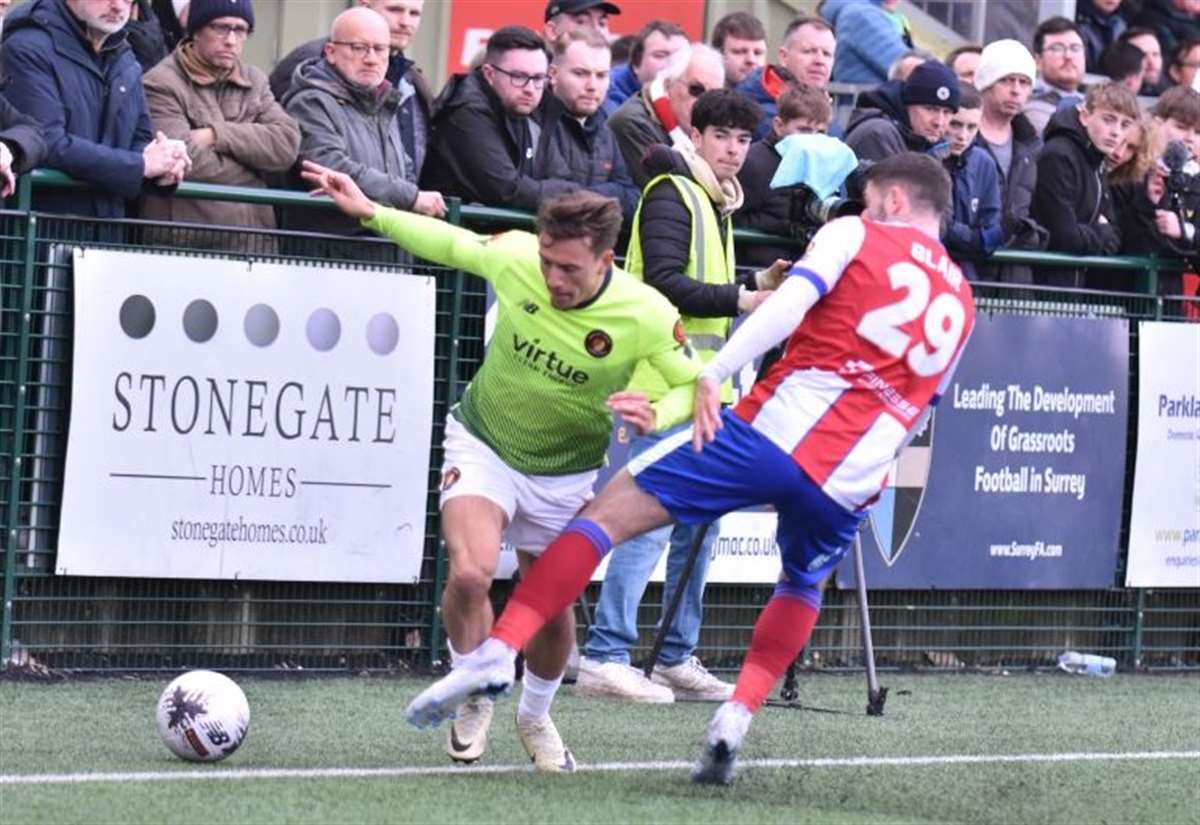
[{"x": 427, "y": 238}]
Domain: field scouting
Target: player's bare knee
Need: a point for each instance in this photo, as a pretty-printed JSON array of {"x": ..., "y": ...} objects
[{"x": 469, "y": 582}]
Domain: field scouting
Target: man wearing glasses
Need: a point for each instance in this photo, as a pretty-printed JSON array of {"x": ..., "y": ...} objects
[
  {"x": 487, "y": 145},
  {"x": 349, "y": 121},
  {"x": 662, "y": 111},
  {"x": 1059, "y": 53},
  {"x": 236, "y": 133}
]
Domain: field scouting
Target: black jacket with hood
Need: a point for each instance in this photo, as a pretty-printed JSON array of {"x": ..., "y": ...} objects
[
  {"x": 482, "y": 154},
  {"x": 1072, "y": 199},
  {"x": 879, "y": 126}
]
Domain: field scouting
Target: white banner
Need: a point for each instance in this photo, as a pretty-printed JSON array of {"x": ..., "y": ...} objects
[
  {"x": 745, "y": 553},
  {"x": 247, "y": 420},
  {"x": 1164, "y": 529}
]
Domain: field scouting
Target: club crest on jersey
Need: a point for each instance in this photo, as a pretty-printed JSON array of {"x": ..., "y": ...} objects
[
  {"x": 680, "y": 333},
  {"x": 894, "y": 514},
  {"x": 598, "y": 343},
  {"x": 450, "y": 477}
]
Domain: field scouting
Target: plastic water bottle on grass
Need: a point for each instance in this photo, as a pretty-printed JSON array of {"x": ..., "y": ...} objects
[{"x": 1087, "y": 664}]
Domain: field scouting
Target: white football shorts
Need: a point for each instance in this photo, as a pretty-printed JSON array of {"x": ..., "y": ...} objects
[{"x": 537, "y": 507}]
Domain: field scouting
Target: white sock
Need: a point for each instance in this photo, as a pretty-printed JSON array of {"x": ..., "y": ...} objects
[
  {"x": 536, "y": 695},
  {"x": 456, "y": 658}
]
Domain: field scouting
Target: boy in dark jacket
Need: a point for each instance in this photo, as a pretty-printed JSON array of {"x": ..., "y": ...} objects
[
  {"x": 1072, "y": 199},
  {"x": 973, "y": 229}
]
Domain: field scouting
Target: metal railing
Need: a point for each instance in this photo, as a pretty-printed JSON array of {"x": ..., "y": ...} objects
[{"x": 99, "y": 624}]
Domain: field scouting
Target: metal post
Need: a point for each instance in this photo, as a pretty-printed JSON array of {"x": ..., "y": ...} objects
[
  {"x": 876, "y": 695},
  {"x": 18, "y": 445},
  {"x": 436, "y": 633},
  {"x": 1139, "y": 627}
]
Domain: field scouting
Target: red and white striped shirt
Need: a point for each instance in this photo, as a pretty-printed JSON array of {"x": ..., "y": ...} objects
[{"x": 868, "y": 358}]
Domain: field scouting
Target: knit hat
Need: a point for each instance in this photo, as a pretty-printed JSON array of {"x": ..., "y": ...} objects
[
  {"x": 1000, "y": 58},
  {"x": 931, "y": 84},
  {"x": 203, "y": 12}
]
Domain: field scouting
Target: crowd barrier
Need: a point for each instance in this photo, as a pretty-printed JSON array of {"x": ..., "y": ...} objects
[{"x": 77, "y": 623}]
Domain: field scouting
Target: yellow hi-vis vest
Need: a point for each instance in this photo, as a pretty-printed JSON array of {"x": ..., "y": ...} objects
[{"x": 711, "y": 262}]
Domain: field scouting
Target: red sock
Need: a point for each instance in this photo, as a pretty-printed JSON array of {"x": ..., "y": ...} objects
[
  {"x": 780, "y": 633},
  {"x": 554, "y": 581}
]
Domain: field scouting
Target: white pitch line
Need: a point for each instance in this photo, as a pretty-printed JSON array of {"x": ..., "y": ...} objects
[{"x": 607, "y": 767}]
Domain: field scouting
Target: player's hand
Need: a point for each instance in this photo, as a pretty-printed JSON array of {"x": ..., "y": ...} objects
[
  {"x": 1167, "y": 223},
  {"x": 772, "y": 277},
  {"x": 339, "y": 186},
  {"x": 706, "y": 413},
  {"x": 636, "y": 409}
]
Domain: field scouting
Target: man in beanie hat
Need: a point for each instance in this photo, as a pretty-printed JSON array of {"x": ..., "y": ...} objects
[
  {"x": 1004, "y": 78},
  {"x": 904, "y": 116},
  {"x": 236, "y": 133},
  {"x": 564, "y": 16}
]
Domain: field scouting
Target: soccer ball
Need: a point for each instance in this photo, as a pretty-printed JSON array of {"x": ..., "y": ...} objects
[{"x": 203, "y": 716}]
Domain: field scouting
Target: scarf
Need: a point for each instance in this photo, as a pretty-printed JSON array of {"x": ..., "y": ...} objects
[{"x": 204, "y": 74}]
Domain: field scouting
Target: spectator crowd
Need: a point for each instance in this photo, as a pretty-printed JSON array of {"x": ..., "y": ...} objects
[{"x": 1082, "y": 140}]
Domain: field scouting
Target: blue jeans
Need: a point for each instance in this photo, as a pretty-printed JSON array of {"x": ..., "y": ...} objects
[{"x": 614, "y": 625}]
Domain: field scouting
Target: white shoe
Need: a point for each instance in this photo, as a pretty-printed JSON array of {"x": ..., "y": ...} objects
[
  {"x": 468, "y": 734},
  {"x": 717, "y": 764},
  {"x": 620, "y": 681},
  {"x": 545, "y": 747},
  {"x": 691, "y": 680},
  {"x": 487, "y": 671}
]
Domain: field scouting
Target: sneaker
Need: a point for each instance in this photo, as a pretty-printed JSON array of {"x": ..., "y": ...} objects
[
  {"x": 717, "y": 765},
  {"x": 691, "y": 680},
  {"x": 467, "y": 737},
  {"x": 545, "y": 747},
  {"x": 620, "y": 681},
  {"x": 488, "y": 671}
]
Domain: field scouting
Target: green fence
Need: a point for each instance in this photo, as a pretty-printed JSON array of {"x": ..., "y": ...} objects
[{"x": 110, "y": 624}]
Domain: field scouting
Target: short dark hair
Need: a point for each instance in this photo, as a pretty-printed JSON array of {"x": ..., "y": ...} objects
[
  {"x": 740, "y": 24},
  {"x": 581, "y": 214},
  {"x": 1122, "y": 59},
  {"x": 726, "y": 109},
  {"x": 801, "y": 100},
  {"x": 969, "y": 97},
  {"x": 1180, "y": 53},
  {"x": 1052, "y": 25},
  {"x": 664, "y": 27},
  {"x": 1179, "y": 103},
  {"x": 512, "y": 38},
  {"x": 925, "y": 180},
  {"x": 969, "y": 48},
  {"x": 1138, "y": 31},
  {"x": 621, "y": 47},
  {"x": 805, "y": 20}
]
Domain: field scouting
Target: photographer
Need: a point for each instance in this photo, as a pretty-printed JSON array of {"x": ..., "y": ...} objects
[
  {"x": 802, "y": 109},
  {"x": 1158, "y": 209}
]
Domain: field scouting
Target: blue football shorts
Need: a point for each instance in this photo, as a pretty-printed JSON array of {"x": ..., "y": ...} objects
[{"x": 741, "y": 468}]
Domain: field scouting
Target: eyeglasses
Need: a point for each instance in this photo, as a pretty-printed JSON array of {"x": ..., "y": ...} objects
[
  {"x": 695, "y": 89},
  {"x": 223, "y": 30},
  {"x": 520, "y": 79},
  {"x": 1059, "y": 49},
  {"x": 363, "y": 49}
]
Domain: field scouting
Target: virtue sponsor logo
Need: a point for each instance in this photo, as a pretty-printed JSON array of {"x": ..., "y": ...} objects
[{"x": 548, "y": 362}]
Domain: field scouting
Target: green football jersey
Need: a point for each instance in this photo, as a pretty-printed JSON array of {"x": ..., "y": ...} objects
[{"x": 538, "y": 400}]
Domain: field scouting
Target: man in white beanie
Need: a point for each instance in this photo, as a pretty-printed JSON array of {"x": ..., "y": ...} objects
[{"x": 1004, "y": 78}]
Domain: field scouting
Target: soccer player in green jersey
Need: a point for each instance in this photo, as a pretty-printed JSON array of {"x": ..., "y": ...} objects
[{"x": 523, "y": 445}]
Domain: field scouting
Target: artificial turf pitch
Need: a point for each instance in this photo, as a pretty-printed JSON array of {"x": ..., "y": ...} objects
[{"x": 107, "y": 725}]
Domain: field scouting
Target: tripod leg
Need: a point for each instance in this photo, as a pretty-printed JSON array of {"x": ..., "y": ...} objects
[
  {"x": 876, "y": 695},
  {"x": 676, "y": 597}
]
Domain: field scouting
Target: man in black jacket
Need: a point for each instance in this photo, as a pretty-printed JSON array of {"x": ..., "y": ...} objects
[
  {"x": 1072, "y": 199},
  {"x": 904, "y": 116},
  {"x": 487, "y": 146},
  {"x": 578, "y": 143},
  {"x": 801, "y": 110}
]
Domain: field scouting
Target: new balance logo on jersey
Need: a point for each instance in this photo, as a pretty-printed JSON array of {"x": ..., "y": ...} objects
[
  {"x": 548, "y": 362},
  {"x": 530, "y": 307}
]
